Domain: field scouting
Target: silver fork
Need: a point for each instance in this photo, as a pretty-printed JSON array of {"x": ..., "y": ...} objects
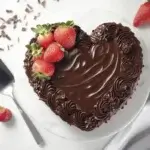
[{"x": 36, "y": 135}]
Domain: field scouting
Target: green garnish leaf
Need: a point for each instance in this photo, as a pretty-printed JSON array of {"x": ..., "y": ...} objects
[{"x": 42, "y": 29}]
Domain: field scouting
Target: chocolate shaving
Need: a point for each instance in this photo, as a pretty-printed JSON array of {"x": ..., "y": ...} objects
[
  {"x": 37, "y": 16},
  {"x": 9, "y": 11},
  {"x": 18, "y": 1},
  {"x": 42, "y": 2},
  {"x": 1, "y": 49},
  {"x": 2, "y": 19},
  {"x": 9, "y": 21},
  {"x": 8, "y": 37},
  {"x": 29, "y": 6},
  {"x": 2, "y": 26},
  {"x": 13, "y": 20},
  {"x": 24, "y": 18},
  {"x": 24, "y": 29},
  {"x": 39, "y": 1},
  {"x": 4, "y": 35},
  {"x": 26, "y": 24},
  {"x": 29, "y": 9},
  {"x": 8, "y": 48},
  {"x": 18, "y": 39},
  {"x": 15, "y": 26}
]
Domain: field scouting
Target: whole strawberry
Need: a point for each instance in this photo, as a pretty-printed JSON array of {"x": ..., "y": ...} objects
[
  {"x": 42, "y": 69},
  {"x": 5, "y": 114},
  {"x": 54, "y": 53},
  {"x": 65, "y": 35},
  {"x": 44, "y": 35},
  {"x": 36, "y": 50},
  {"x": 143, "y": 15}
]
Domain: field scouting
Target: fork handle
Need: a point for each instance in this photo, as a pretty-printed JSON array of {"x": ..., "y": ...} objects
[{"x": 36, "y": 135}]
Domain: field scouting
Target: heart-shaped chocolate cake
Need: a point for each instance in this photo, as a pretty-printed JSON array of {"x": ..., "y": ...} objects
[{"x": 93, "y": 79}]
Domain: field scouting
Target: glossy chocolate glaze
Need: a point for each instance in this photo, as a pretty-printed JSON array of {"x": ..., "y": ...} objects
[{"x": 95, "y": 78}]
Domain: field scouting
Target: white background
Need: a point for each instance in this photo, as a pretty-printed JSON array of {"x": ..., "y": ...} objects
[{"x": 17, "y": 136}]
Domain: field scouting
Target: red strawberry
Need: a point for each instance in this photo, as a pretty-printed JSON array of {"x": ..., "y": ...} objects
[
  {"x": 43, "y": 69},
  {"x": 5, "y": 114},
  {"x": 45, "y": 40},
  {"x": 44, "y": 35},
  {"x": 65, "y": 35},
  {"x": 36, "y": 51},
  {"x": 143, "y": 15},
  {"x": 54, "y": 53}
]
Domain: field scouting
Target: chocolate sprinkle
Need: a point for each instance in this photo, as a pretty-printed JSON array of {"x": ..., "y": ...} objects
[
  {"x": 27, "y": 10},
  {"x": 24, "y": 29},
  {"x": 42, "y": 2},
  {"x": 8, "y": 37},
  {"x": 30, "y": 7},
  {"x": 37, "y": 16},
  {"x": 9, "y": 21},
  {"x": 4, "y": 35},
  {"x": 25, "y": 16},
  {"x": 2, "y": 19},
  {"x": 26, "y": 24},
  {"x": 8, "y": 48},
  {"x": 18, "y": 39},
  {"x": 9, "y": 11},
  {"x": 13, "y": 20},
  {"x": 15, "y": 26},
  {"x": 2, "y": 26},
  {"x": 1, "y": 49}
]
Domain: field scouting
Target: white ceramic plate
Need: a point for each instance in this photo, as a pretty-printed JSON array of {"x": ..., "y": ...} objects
[{"x": 42, "y": 115}]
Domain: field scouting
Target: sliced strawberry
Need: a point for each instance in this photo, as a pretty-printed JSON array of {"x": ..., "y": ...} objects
[
  {"x": 54, "y": 53},
  {"x": 36, "y": 50},
  {"x": 143, "y": 15},
  {"x": 65, "y": 35},
  {"x": 5, "y": 114},
  {"x": 44, "y": 35},
  {"x": 43, "y": 69}
]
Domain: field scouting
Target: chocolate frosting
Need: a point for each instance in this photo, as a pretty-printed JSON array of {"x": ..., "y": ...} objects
[{"x": 95, "y": 78}]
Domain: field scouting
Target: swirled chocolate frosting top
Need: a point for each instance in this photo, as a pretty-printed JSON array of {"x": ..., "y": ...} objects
[
  {"x": 98, "y": 64},
  {"x": 96, "y": 77}
]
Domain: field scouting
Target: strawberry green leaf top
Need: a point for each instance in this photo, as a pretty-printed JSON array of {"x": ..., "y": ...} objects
[
  {"x": 41, "y": 76},
  {"x": 69, "y": 23},
  {"x": 42, "y": 29},
  {"x": 35, "y": 49},
  {"x": 46, "y": 28}
]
